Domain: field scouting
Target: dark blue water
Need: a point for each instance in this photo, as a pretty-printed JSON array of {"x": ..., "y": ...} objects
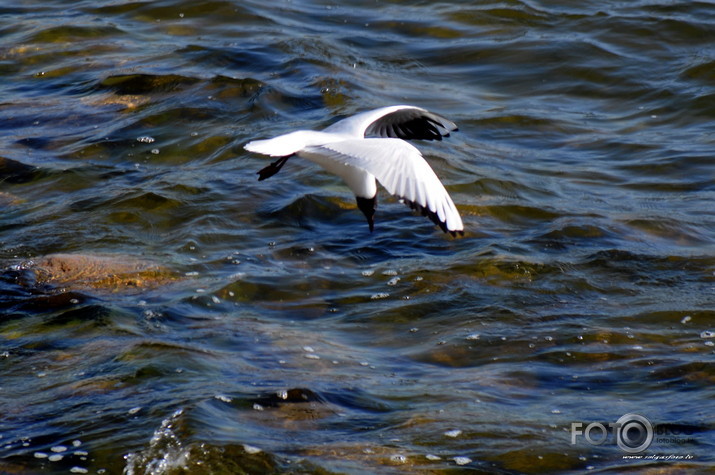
[{"x": 191, "y": 319}]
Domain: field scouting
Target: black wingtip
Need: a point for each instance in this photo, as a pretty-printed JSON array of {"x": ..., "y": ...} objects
[
  {"x": 433, "y": 217},
  {"x": 411, "y": 123}
]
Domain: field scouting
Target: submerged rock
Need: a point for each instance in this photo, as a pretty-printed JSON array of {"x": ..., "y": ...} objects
[
  {"x": 295, "y": 395},
  {"x": 13, "y": 171},
  {"x": 170, "y": 451},
  {"x": 146, "y": 83},
  {"x": 114, "y": 273}
]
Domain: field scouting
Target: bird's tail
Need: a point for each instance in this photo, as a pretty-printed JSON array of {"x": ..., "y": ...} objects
[{"x": 283, "y": 145}]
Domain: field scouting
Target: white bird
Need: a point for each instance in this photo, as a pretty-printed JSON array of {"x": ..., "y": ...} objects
[{"x": 370, "y": 145}]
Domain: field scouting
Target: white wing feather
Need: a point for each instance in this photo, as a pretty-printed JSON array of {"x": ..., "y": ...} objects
[
  {"x": 400, "y": 168},
  {"x": 290, "y": 143}
]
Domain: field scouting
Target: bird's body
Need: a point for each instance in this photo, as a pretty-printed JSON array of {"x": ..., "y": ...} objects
[{"x": 370, "y": 146}]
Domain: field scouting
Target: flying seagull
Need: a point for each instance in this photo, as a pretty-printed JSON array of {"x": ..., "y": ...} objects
[{"x": 371, "y": 145}]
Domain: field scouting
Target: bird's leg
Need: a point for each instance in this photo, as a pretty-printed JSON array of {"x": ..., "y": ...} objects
[
  {"x": 273, "y": 168},
  {"x": 368, "y": 207}
]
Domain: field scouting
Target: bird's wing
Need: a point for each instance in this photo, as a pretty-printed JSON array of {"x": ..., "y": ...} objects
[
  {"x": 402, "y": 122},
  {"x": 402, "y": 170}
]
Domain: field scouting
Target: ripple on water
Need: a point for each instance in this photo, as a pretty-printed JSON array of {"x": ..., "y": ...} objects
[{"x": 179, "y": 315}]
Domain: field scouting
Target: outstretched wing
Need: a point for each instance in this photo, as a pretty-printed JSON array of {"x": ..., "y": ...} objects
[
  {"x": 402, "y": 170},
  {"x": 402, "y": 122}
]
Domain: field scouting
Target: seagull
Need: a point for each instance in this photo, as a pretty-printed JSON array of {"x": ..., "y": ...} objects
[{"x": 369, "y": 146}]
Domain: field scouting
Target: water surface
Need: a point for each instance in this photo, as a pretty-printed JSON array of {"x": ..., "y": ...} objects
[{"x": 274, "y": 332}]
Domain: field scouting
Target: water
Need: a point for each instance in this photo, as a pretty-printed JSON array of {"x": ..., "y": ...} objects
[{"x": 212, "y": 323}]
